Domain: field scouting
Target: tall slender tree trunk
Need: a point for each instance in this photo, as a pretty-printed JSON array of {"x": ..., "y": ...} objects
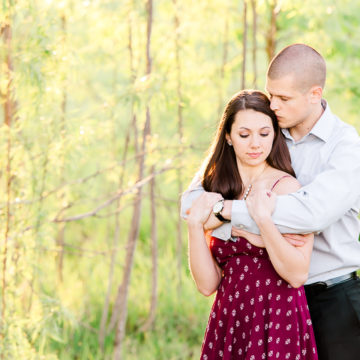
[
  {"x": 6, "y": 238},
  {"x": 154, "y": 258},
  {"x": 9, "y": 102},
  {"x": 60, "y": 238},
  {"x": 254, "y": 42},
  {"x": 123, "y": 290},
  {"x": 117, "y": 306},
  {"x": 179, "y": 247},
  {"x": 134, "y": 128},
  {"x": 10, "y": 108},
  {"x": 114, "y": 251},
  {"x": 272, "y": 32},
  {"x": 224, "y": 60},
  {"x": 133, "y": 125},
  {"x": 245, "y": 26},
  {"x": 44, "y": 172},
  {"x": 135, "y": 224}
]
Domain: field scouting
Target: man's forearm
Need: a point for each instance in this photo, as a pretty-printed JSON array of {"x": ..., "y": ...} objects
[
  {"x": 287, "y": 222},
  {"x": 292, "y": 214},
  {"x": 295, "y": 213}
]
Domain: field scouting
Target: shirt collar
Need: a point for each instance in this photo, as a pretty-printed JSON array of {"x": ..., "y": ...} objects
[{"x": 322, "y": 128}]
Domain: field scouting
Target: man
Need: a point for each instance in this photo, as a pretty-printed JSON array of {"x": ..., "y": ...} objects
[{"x": 325, "y": 155}]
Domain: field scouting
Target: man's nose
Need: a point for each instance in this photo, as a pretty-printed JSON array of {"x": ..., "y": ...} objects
[{"x": 274, "y": 104}]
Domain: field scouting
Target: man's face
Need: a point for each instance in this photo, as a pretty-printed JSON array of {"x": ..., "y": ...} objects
[{"x": 291, "y": 106}]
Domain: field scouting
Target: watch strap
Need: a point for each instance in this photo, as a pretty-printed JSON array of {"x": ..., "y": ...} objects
[{"x": 221, "y": 218}]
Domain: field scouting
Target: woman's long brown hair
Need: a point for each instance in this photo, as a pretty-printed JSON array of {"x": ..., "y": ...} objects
[{"x": 221, "y": 174}]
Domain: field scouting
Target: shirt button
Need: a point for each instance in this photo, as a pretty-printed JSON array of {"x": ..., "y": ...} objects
[{"x": 241, "y": 226}]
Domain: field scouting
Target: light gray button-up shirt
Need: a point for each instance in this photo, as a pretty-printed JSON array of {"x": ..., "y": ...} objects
[{"x": 327, "y": 164}]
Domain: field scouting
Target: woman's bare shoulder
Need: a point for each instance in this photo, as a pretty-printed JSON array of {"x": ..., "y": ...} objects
[{"x": 284, "y": 183}]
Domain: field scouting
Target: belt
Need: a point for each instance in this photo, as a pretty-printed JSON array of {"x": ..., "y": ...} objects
[{"x": 334, "y": 281}]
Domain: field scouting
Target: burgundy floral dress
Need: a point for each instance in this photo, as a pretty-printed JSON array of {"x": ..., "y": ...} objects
[{"x": 256, "y": 314}]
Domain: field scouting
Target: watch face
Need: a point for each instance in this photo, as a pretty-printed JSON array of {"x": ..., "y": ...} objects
[{"x": 218, "y": 207}]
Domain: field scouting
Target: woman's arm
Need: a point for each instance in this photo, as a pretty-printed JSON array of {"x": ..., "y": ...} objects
[
  {"x": 290, "y": 262},
  {"x": 204, "y": 269}
]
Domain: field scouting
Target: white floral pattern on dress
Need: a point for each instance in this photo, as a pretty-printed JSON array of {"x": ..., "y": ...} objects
[{"x": 256, "y": 314}]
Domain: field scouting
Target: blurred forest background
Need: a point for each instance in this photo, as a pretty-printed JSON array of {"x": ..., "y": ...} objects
[{"x": 108, "y": 107}]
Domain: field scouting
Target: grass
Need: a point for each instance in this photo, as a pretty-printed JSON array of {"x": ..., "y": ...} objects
[{"x": 181, "y": 315}]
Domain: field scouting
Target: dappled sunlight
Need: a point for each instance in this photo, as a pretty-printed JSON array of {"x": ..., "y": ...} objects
[{"x": 103, "y": 125}]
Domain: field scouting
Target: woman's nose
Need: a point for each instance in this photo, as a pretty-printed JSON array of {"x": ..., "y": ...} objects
[{"x": 255, "y": 142}]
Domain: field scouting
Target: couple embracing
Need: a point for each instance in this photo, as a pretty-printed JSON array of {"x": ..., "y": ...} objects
[{"x": 275, "y": 207}]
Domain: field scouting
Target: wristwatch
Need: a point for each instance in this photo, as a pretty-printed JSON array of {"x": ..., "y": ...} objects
[{"x": 217, "y": 209}]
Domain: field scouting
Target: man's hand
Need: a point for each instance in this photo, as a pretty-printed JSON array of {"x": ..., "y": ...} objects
[
  {"x": 252, "y": 238},
  {"x": 298, "y": 240},
  {"x": 202, "y": 207}
]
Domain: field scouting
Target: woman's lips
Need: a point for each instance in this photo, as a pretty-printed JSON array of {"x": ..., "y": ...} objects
[{"x": 254, "y": 155}]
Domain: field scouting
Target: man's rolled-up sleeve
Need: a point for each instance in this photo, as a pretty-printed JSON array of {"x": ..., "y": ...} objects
[{"x": 194, "y": 190}]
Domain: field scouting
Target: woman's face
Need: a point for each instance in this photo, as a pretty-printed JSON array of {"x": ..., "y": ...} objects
[{"x": 252, "y": 135}]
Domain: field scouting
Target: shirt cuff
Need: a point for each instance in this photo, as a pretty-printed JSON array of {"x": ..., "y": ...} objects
[{"x": 223, "y": 232}]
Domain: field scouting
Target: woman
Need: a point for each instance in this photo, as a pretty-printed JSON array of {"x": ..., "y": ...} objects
[{"x": 260, "y": 310}]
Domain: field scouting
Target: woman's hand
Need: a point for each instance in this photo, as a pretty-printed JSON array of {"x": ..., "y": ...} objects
[
  {"x": 202, "y": 207},
  {"x": 261, "y": 204}
]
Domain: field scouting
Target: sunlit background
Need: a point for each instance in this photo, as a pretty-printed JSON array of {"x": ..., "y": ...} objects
[{"x": 108, "y": 108}]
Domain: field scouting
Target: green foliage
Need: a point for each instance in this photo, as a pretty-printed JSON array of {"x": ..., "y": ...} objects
[{"x": 77, "y": 88}]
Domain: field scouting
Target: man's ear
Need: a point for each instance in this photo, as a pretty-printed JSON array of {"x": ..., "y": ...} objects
[{"x": 316, "y": 94}]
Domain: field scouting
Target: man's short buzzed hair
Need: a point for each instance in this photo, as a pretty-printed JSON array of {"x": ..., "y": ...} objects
[{"x": 301, "y": 60}]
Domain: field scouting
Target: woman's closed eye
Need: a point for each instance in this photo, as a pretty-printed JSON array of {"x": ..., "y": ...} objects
[{"x": 244, "y": 136}]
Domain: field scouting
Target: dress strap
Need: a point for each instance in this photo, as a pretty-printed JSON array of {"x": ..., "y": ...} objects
[{"x": 278, "y": 180}]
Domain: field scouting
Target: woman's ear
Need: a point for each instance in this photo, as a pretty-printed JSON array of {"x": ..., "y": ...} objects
[{"x": 228, "y": 139}]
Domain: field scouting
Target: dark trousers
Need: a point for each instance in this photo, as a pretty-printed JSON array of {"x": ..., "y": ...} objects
[{"x": 335, "y": 314}]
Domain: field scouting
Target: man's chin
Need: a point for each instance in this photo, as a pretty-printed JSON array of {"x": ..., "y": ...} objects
[{"x": 282, "y": 122}]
